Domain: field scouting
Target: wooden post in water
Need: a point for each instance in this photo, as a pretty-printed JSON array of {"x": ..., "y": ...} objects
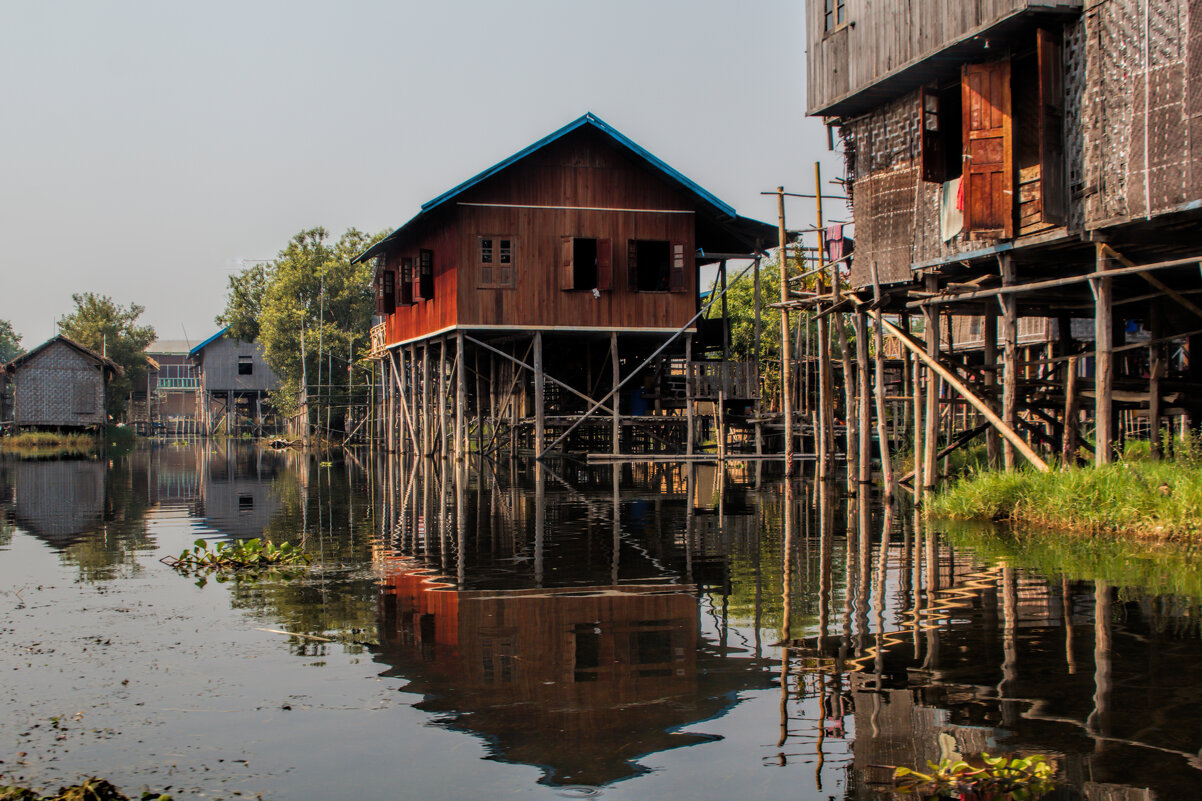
[
  {"x": 460, "y": 401},
  {"x": 427, "y": 416},
  {"x": 1156, "y": 370},
  {"x": 917, "y": 427},
  {"x": 851, "y": 439},
  {"x": 993, "y": 443},
  {"x": 540, "y": 430},
  {"x": 1068, "y": 451},
  {"x": 1009, "y": 303},
  {"x": 443, "y": 410},
  {"x": 616, "y": 372},
  {"x": 759, "y": 429},
  {"x": 882, "y": 419},
  {"x": 863, "y": 411},
  {"x": 826, "y": 406},
  {"x": 688, "y": 392},
  {"x": 931, "y": 421},
  {"x": 786, "y": 355},
  {"x": 1104, "y": 367}
]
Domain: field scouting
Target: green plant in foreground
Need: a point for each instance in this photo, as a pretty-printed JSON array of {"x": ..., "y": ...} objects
[
  {"x": 89, "y": 790},
  {"x": 1018, "y": 778},
  {"x": 225, "y": 558}
]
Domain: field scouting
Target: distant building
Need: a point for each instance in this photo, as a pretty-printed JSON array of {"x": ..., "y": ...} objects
[
  {"x": 172, "y": 386},
  {"x": 233, "y": 382},
  {"x": 60, "y": 384}
]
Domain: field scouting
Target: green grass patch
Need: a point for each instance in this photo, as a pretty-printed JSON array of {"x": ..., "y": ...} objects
[
  {"x": 43, "y": 444},
  {"x": 1160, "y": 500}
]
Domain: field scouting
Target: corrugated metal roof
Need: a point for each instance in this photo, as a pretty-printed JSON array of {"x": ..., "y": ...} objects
[
  {"x": 205, "y": 344},
  {"x": 721, "y": 208}
]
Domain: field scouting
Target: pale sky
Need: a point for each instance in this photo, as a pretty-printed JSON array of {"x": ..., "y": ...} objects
[{"x": 147, "y": 148}]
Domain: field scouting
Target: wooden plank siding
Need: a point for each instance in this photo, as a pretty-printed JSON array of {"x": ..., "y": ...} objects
[
  {"x": 882, "y": 39},
  {"x": 586, "y": 187}
]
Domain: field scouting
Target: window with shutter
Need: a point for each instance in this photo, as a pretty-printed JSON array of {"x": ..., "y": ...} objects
[
  {"x": 388, "y": 292},
  {"x": 425, "y": 277},
  {"x": 586, "y": 264},
  {"x": 1051, "y": 128},
  {"x": 988, "y": 152},
  {"x": 677, "y": 280},
  {"x": 655, "y": 266}
]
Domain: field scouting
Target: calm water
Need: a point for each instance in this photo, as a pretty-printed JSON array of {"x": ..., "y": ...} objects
[{"x": 567, "y": 632}]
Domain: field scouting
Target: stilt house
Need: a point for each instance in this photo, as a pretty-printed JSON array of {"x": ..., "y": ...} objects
[
  {"x": 518, "y": 301},
  {"x": 233, "y": 380},
  {"x": 60, "y": 384},
  {"x": 1029, "y": 159}
]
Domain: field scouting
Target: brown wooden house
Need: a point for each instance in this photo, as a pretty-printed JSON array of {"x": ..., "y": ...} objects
[
  {"x": 1003, "y": 154},
  {"x": 520, "y": 293},
  {"x": 60, "y": 384}
]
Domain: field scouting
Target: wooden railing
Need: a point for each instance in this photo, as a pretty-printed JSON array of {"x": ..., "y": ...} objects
[
  {"x": 709, "y": 378},
  {"x": 379, "y": 338}
]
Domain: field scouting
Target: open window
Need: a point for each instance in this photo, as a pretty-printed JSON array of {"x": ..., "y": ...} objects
[
  {"x": 942, "y": 153},
  {"x": 388, "y": 292},
  {"x": 405, "y": 285},
  {"x": 246, "y": 365},
  {"x": 586, "y": 263},
  {"x": 424, "y": 285},
  {"x": 655, "y": 266},
  {"x": 495, "y": 260}
]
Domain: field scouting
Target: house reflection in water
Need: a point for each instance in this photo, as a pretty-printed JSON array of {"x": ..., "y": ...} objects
[
  {"x": 580, "y": 682},
  {"x": 237, "y": 490}
]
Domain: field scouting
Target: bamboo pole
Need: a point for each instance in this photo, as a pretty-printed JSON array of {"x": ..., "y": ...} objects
[
  {"x": 759, "y": 428},
  {"x": 882, "y": 420},
  {"x": 931, "y": 418},
  {"x": 786, "y": 356},
  {"x": 826, "y": 405},
  {"x": 1006, "y": 431},
  {"x": 918, "y": 427},
  {"x": 863, "y": 410},
  {"x": 850, "y": 437}
]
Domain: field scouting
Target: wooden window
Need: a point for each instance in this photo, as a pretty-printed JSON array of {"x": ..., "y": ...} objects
[
  {"x": 1053, "y": 200},
  {"x": 988, "y": 151},
  {"x": 405, "y": 285},
  {"x": 388, "y": 292},
  {"x": 496, "y": 261},
  {"x": 656, "y": 266},
  {"x": 585, "y": 264},
  {"x": 834, "y": 14},
  {"x": 246, "y": 365}
]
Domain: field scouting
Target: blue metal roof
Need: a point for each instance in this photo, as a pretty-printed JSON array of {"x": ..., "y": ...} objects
[
  {"x": 588, "y": 119},
  {"x": 205, "y": 344}
]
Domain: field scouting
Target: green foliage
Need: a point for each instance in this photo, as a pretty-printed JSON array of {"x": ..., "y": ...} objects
[
  {"x": 88, "y": 790},
  {"x": 1015, "y": 779},
  {"x": 108, "y": 328},
  {"x": 740, "y": 301},
  {"x": 225, "y": 558},
  {"x": 310, "y": 294},
  {"x": 10, "y": 342},
  {"x": 1156, "y": 499},
  {"x": 43, "y": 444}
]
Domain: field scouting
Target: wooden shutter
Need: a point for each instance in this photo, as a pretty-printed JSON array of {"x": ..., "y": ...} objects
[
  {"x": 485, "y": 257},
  {"x": 605, "y": 264},
  {"x": 676, "y": 279},
  {"x": 405, "y": 285},
  {"x": 567, "y": 270},
  {"x": 424, "y": 288},
  {"x": 379, "y": 294},
  {"x": 988, "y": 151},
  {"x": 388, "y": 292},
  {"x": 1051, "y": 128},
  {"x": 632, "y": 265},
  {"x": 934, "y": 159}
]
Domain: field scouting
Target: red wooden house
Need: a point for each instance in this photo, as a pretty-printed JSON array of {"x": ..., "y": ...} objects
[{"x": 531, "y": 271}]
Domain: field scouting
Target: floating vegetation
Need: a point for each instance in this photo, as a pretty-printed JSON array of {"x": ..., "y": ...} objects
[
  {"x": 1015, "y": 779},
  {"x": 226, "y": 559},
  {"x": 89, "y": 790}
]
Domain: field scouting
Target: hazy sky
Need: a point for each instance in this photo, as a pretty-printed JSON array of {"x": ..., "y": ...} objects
[{"x": 146, "y": 148}]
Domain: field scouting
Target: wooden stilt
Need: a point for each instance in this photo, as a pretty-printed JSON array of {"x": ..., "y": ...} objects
[
  {"x": 389, "y": 402},
  {"x": 615, "y": 369},
  {"x": 931, "y": 416},
  {"x": 882, "y": 420},
  {"x": 918, "y": 427},
  {"x": 756, "y": 332},
  {"x": 427, "y": 417},
  {"x": 851, "y": 440},
  {"x": 1104, "y": 368},
  {"x": 993, "y": 444},
  {"x": 863, "y": 421},
  {"x": 688, "y": 393},
  {"x": 1009, "y": 304},
  {"x": 460, "y": 400},
  {"x": 1156, "y": 371},
  {"x": 443, "y": 407},
  {"x": 1068, "y": 450},
  {"x": 786, "y": 355},
  {"x": 539, "y": 412}
]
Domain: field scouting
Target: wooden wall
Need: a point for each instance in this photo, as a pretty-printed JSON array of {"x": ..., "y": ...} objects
[
  {"x": 59, "y": 387},
  {"x": 581, "y": 170},
  {"x": 882, "y": 37},
  {"x": 219, "y": 367}
]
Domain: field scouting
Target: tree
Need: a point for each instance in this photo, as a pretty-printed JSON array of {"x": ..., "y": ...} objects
[
  {"x": 311, "y": 295},
  {"x": 108, "y": 328},
  {"x": 10, "y": 342}
]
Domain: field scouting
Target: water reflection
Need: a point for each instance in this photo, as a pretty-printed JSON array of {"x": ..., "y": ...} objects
[{"x": 595, "y": 622}]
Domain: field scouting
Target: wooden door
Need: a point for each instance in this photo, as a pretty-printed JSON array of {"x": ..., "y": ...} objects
[{"x": 988, "y": 151}]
